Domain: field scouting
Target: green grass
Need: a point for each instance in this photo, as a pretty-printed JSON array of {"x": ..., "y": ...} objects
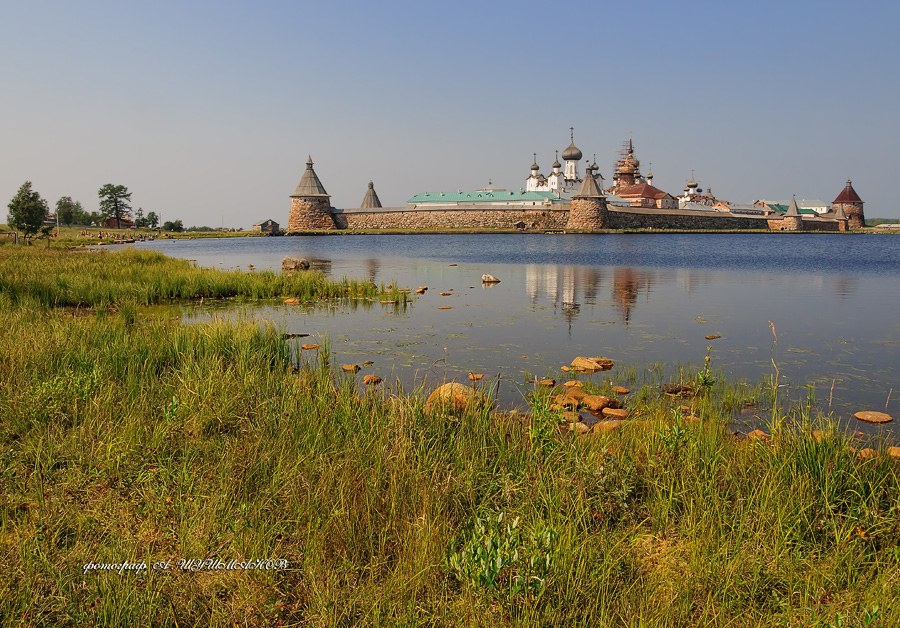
[
  {"x": 125, "y": 435},
  {"x": 128, "y": 277},
  {"x": 71, "y": 237}
]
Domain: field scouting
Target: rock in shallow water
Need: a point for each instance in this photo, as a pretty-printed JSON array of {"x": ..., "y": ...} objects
[
  {"x": 590, "y": 365},
  {"x": 294, "y": 263},
  {"x": 595, "y": 403},
  {"x": 454, "y": 397},
  {"x": 869, "y": 416},
  {"x": 676, "y": 389}
]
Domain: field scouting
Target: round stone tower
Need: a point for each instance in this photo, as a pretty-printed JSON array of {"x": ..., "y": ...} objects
[
  {"x": 310, "y": 204},
  {"x": 588, "y": 211},
  {"x": 849, "y": 202},
  {"x": 791, "y": 221}
]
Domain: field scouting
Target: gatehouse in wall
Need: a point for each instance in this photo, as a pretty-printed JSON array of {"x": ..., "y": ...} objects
[{"x": 562, "y": 207}]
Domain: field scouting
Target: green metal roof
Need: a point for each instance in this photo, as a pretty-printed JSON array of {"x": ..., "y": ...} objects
[
  {"x": 782, "y": 209},
  {"x": 494, "y": 196}
]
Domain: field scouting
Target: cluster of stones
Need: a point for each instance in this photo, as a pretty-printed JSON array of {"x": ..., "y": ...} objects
[
  {"x": 866, "y": 416},
  {"x": 570, "y": 400}
]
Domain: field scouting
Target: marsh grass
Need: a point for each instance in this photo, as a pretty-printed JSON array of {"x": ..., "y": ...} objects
[
  {"x": 56, "y": 278},
  {"x": 125, "y": 435},
  {"x": 71, "y": 237}
]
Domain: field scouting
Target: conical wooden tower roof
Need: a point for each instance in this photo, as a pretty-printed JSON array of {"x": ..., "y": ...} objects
[
  {"x": 588, "y": 188},
  {"x": 371, "y": 199},
  {"x": 309, "y": 183},
  {"x": 848, "y": 195},
  {"x": 792, "y": 211}
]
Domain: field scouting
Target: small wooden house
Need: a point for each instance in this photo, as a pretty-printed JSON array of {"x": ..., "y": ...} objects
[{"x": 267, "y": 226}]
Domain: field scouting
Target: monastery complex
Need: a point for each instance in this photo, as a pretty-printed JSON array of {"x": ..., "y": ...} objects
[{"x": 566, "y": 200}]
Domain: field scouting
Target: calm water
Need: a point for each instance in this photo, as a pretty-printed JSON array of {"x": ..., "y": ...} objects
[{"x": 638, "y": 299}]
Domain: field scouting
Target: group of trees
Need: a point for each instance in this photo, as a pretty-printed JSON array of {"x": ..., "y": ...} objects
[
  {"x": 72, "y": 212},
  {"x": 150, "y": 220},
  {"x": 28, "y": 211}
]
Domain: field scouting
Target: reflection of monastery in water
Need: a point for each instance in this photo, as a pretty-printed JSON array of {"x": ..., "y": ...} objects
[
  {"x": 564, "y": 200},
  {"x": 567, "y": 288}
]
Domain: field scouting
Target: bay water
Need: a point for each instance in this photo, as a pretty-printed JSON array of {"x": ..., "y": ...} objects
[{"x": 824, "y": 309}]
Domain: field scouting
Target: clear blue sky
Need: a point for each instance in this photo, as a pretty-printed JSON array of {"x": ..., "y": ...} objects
[{"x": 207, "y": 111}]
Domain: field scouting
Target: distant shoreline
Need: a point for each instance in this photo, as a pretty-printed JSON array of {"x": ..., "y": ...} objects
[{"x": 345, "y": 232}]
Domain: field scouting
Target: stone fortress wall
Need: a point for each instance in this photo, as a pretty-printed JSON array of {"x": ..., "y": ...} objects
[
  {"x": 469, "y": 218},
  {"x": 587, "y": 211},
  {"x": 556, "y": 219},
  {"x": 641, "y": 218},
  {"x": 806, "y": 224}
]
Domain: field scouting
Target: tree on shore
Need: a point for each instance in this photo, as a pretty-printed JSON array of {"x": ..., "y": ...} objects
[
  {"x": 115, "y": 202},
  {"x": 65, "y": 210},
  {"x": 71, "y": 212},
  {"x": 27, "y": 210},
  {"x": 152, "y": 220},
  {"x": 170, "y": 225}
]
